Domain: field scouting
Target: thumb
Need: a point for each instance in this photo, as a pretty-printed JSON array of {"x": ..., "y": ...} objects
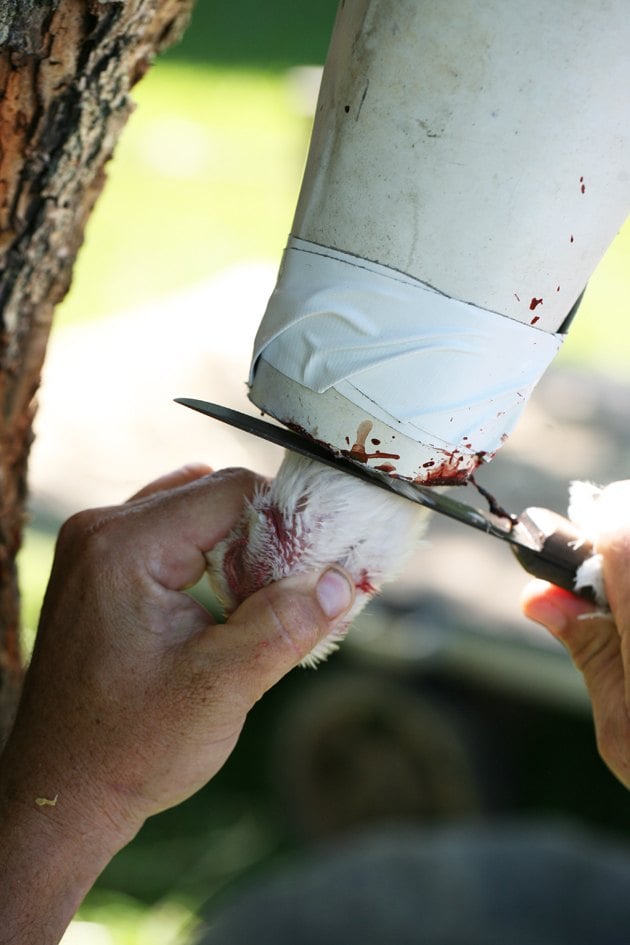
[
  {"x": 280, "y": 624},
  {"x": 591, "y": 638}
]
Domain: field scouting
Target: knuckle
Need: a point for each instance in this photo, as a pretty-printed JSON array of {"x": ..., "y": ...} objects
[
  {"x": 245, "y": 479},
  {"x": 86, "y": 531}
]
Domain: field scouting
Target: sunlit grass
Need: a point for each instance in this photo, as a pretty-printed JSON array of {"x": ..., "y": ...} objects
[
  {"x": 600, "y": 336},
  {"x": 34, "y": 562},
  {"x": 205, "y": 175},
  {"x": 115, "y": 919}
]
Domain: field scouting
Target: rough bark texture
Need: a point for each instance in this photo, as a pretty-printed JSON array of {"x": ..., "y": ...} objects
[{"x": 66, "y": 68}]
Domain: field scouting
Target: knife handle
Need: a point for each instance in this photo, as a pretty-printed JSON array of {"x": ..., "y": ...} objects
[{"x": 561, "y": 549}]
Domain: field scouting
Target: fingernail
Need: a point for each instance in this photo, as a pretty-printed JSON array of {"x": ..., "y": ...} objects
[{"x": 334, "y": 593}]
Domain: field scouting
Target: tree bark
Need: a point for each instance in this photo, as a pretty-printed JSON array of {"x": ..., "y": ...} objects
[{"x": 66, "y": 69}]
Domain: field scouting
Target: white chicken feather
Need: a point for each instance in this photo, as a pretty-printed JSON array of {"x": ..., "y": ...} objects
[
  {"x": 307, "y": 517},
  {"x": 585, "y": 511}
]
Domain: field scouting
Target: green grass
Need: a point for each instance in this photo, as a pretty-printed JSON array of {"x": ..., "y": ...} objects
[
  {"x": 205, "y": 175},
  {"x": 122, "y": 920},
  {"x": 600, "y": 335},
  {"x": 34, "y": 562}
]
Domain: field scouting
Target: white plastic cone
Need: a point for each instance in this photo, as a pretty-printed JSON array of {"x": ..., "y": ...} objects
[{"x": 468, "y": 168}]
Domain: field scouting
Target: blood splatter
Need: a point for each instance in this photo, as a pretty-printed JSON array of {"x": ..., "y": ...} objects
[
  {"x": 444, "y": 475},
  {"x": 493, "y": 505},
  {"x": 379, "y": 454},
  {"x": 582, "y": 186},
  {"x": 238, "y": 578},
  {"x": 386, "y": 468},
  {"x": 358, "y": 451},
  {"x": 277, "y": 523},
  {"x": 297, "y": 428},
  {"x": 449, "y": 472},
  {"x": 535, "y": 319},
  {"x": 534, "y": 303},
  {"x": 571, "y": 240},
  {"x": 363, "y": 584},
  {"x": 375, "y": 442}
]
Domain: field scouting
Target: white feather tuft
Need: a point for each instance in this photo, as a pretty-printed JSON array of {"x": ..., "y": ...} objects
[
  {"x": 308, "y": 517},
  {"x": 583, "y": 507},
  {"x": 585, "y": 512}
]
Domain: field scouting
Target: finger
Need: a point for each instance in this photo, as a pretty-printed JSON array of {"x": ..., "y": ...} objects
[
  {"x": 612, "y": 541},
  {"x": 614, "y": 547},
  {"x": 276, "y": 628},
  {"x": 552, "y": 606},
  {"x": 590, "y": 637},
  {"x": 183, "y": 525},
  {"x": 173, "y": 479},
  {"x": 166, "y": 535}
]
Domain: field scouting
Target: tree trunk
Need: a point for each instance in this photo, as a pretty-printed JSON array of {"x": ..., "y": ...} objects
[{"x": 66, "y": 68}]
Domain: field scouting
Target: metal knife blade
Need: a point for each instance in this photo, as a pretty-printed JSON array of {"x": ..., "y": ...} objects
[{"x": 545, "y": 544}]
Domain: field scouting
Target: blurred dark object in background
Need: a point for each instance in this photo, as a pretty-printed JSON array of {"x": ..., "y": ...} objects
[{"x": 491, "y": 884}]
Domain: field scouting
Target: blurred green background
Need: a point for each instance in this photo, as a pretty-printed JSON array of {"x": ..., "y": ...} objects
[
  {"x": 205, "y": 176},
  {"x": 208, "y": 169}
]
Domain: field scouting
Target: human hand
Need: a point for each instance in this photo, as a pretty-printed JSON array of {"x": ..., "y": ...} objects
[
  {"x": 599, "y": 643},
  {"x": 134, "y": 697}
]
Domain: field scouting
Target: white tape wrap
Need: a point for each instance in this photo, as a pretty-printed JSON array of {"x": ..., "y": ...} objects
[{"x": 438, "y": 370}]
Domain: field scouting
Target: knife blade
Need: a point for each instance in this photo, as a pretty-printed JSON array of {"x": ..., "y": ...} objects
[{"x": 545, "y": 543}]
